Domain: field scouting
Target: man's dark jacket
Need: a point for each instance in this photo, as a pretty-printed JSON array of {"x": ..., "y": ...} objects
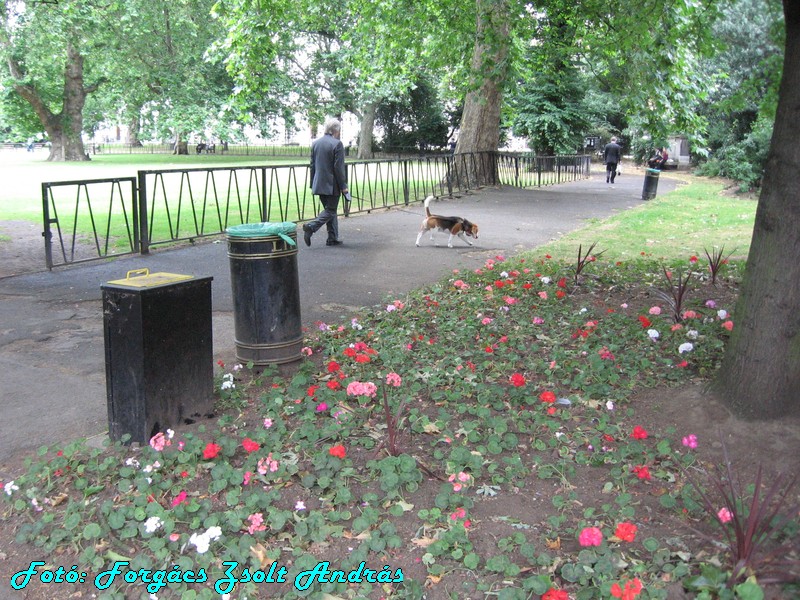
[{"x": 328, "y": 173}]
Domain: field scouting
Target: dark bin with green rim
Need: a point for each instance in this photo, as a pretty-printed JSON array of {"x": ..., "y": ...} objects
[
  {"x": 650, "y": 184},
  {"x": 157, "y": 331},
  {"x": 266, "y": 292}
]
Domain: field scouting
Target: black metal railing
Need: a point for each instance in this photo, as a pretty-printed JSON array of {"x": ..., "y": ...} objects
[{"x": 95, "y": 219}]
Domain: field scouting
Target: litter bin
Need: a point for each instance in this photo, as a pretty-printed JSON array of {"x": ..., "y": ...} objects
[
  {"x": 266, "y": 292},
  {"x": 650, "y": 184},
  {"x": 159, "y": 352}
]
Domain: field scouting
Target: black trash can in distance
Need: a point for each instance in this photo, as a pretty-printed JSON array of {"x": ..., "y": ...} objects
[
  {"x": 650, "y": 184},
  {"x": 266, "y": 292}
]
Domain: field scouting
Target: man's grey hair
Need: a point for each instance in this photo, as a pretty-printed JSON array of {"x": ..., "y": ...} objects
[{"x": 333, "y": 126}]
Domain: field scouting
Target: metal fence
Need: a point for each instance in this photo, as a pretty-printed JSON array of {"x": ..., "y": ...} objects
[{"x": 96, "y": 219}]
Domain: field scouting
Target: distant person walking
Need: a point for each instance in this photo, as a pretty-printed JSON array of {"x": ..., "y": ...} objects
[
  {"x": 328, "y": 181},
  {"x": 612, "y": 154}
]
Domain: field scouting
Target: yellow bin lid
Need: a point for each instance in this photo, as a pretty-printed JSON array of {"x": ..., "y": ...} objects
[{"x": 142, "y": 278}]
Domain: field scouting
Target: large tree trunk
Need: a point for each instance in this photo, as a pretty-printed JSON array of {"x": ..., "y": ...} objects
[
  {"x": 366, "y": 133},
  {"x": 760, "y": 374},
  {"x": 63, "y": 129},
  {"x": 480, "y": 122}
]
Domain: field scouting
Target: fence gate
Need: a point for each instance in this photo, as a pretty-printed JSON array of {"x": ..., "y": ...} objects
[{"x": 89, "y": 220}]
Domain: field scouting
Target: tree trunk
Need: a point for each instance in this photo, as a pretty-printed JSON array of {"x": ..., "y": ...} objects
[
  {"x": 480, "y": 122},
  {"x": 365, "y": 135},
  {"x": 63, "y": 129},
  {"x": 133, "y": 131},
  {"x": 760, "y": 373}
]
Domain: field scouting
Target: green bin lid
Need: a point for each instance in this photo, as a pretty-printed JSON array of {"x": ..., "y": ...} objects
[
  {"x": 257, "y": 230},
  {"x": 653, "y": 170}
]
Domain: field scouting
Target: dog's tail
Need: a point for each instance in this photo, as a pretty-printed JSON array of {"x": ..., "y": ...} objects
[{"x": 427, "y": 206}]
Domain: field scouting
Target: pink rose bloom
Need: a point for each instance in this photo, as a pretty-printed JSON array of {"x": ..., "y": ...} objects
[
  {"x": 590, "y": 536},
  {"x": 724, "y": 515}
]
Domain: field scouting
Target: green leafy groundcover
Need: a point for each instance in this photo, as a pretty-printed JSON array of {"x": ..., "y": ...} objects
[{"x": 399, "y": 428}]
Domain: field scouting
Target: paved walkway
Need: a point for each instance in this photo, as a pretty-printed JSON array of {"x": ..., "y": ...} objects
[{"x": 52, "y": 360}]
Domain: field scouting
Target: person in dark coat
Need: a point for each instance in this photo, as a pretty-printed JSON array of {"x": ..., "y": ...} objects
[
  {"x": 328, "y": 181},
  {"x": 612, "y": 154}
]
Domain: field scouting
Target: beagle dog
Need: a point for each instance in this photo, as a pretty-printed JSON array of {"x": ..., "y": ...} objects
[{"x": 456, "y": 226}]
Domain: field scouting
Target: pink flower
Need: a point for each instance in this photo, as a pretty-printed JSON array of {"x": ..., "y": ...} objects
[
  {"x": 655, "y": 310},
  {"x": 538, "y": 320},
  {"x": 357, "y": 388},
  {"x": 179, "y": 499},
  {"x": 159, "y": 441},
  {"x": 322, "y": 407},
  {"x": 728, "y": 325},
  {"x": 267, "y": 423},
  {"x": 247, "y": 476},
  {"x": 486, "y": 320},
  {"x": 724, "y": 515},
  {"x": 543, "y": 295},
  {"x": 690, "y": 441},
  {"x": 590, "y": 536},
  {"x": 256, "y": 523},
  {"x": 393, "y": 379}
]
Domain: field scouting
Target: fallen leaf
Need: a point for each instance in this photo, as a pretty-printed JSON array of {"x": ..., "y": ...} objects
[
  {"x": 259, "y": 552},
  {"x": 423, "y": 542},
  {"x": 553, "y": 544}
]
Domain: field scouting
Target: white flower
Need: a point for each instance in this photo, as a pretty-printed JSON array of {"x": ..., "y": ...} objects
[
  {"x": 356, "y": 325},
  {"x": 227, "y": 382},
  {"x": 132, "y": 462},
  {"x": 545, "y": 280},
  {"x": 391, "y": 308},
  {"x": 610, "y": 405},
  {"x": 10, "y": 488},
  {"x": 170, "y": 434},
  {"x": 152, "y": 524},
  {"x": 203, "y": 541},
  {"x": 300, "y": 505},
  {"x": 237, "y": 367},
  {"x": 692, "y": 334},
  {"x": 654, "y": 335},
  {"x": 504, "y": 274},
  {"x": 583, "y": 310},
  {"x": 722, "y": 314},
  {"x": 686, "y": 347}
]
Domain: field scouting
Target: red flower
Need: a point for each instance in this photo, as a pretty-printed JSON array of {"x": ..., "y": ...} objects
[
  {"x": 362, "y": 358},
  {"x": 562, "y": 283},
  {"x": 179, "y": 499},
  {"x": 250, "y": 445},
  {"x": 312, "y": 389},
  {"x": 350, "y": 352},
  {"x": 333, "y": 366},
  {"x": 639, "y": 433},
  {"x": 644, "y": 321},
  {"x": 642, "y": 472},
  {"x": 211, "y": 450},
  {"x": 517, "y": 380},
  {"x": 561, "y": 294},
  {"x": 629, "y": 592},
  {"x": 334, "y": 385},
  {"x": 554, "y": 594},
  {"x": 337, "y": 451},
  {"x": 548, "y": 397},
  {"x": 626, "y": 532}
]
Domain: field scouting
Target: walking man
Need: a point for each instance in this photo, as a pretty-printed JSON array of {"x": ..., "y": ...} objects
[
  {"x": 612, "y": 154},
  {"x": 328, "y": 181}
]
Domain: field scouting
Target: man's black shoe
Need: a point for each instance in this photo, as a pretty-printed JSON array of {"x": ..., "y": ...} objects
[
  {"x": 333, "y": 243},
  {"x": 307, "y": 234}
]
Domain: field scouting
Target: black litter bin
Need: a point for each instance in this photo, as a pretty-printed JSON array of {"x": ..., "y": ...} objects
[
  {"x": 650, "y": 184},
  {"x": 159, "y": 352},
  {"x": 266, "y": 292}
]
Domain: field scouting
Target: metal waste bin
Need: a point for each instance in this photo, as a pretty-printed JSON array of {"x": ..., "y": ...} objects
[
  {"x": 650, "y": 184},
  {"x": 266, "y": 292},
  {"x": 159, "y": 352}
]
